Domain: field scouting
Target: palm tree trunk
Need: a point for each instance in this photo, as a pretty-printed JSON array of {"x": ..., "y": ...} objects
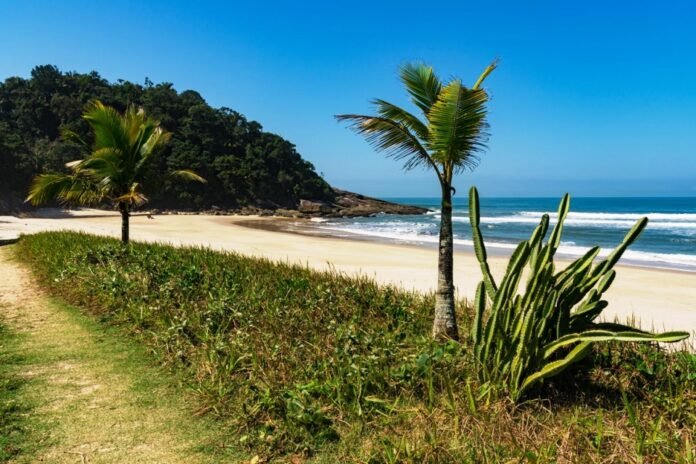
[
  {"x": 445, "y": 322},
  {"x": 125, "y": 227}
]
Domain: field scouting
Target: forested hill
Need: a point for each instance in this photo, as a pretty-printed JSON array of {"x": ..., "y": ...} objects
[{"x": 244, "y": 165}]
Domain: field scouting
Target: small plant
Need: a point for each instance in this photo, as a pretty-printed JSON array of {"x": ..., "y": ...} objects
[{"x": 526, "y": 337}]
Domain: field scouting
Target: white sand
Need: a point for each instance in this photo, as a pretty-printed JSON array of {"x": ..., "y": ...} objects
[{"x": 657, "y": 299}]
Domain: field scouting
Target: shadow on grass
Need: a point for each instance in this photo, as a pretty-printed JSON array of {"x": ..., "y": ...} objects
[{"x": 619, "y": 372}]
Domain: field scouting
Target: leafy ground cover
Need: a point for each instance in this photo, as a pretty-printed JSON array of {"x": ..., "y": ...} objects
[{"x": 303, "y": 365}]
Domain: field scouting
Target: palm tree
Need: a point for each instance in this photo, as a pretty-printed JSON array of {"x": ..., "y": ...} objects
[
  {"x": 446, "y": 139},
  {"x": 116, "y": 166}
]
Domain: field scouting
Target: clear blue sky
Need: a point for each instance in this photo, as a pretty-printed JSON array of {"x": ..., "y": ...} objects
[{"x": 598, "y": 98}]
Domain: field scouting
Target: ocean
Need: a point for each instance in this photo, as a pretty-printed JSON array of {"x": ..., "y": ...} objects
[{"x": 669, "y": 240}]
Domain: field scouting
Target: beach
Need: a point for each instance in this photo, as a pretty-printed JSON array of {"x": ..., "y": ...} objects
[{"x": 657, "y": 299}]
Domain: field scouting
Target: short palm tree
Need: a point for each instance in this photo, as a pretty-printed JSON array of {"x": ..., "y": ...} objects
[
  {"x": 446, "y": 138},
  {"x": 116, "y": 166}
]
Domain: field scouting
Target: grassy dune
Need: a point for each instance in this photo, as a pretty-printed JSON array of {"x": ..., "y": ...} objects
[{"x": 299, "y": 364}]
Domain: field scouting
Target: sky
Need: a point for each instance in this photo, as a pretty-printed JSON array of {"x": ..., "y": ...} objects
[{"x": 595, "y": 98}]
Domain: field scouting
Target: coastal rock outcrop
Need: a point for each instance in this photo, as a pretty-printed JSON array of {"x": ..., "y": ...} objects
[
  {"x": 345, "y": 204},
  {"x": 349, "y": 204}
]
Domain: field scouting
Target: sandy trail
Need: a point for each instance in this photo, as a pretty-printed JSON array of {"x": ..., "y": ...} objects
[
  {"x": 85, "y": 389},
  {"x": 656, "y": 298}
]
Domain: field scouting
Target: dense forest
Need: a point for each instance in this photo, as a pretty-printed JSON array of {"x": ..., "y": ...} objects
[{"x": 244, "y": 165}]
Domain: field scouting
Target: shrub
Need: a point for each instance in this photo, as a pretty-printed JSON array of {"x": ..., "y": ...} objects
[{"x": 526, "y": 337}]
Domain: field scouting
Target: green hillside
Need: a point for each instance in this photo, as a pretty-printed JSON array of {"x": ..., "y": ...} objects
[{"x": 244, "y": 165}]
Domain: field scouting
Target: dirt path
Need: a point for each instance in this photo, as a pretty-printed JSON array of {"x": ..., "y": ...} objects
[{"x": 96, "y": 399}]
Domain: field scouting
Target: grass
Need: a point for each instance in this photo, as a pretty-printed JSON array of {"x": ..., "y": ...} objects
[
  {"x": 16, "y": 436},
  {"x": 303, "y": 365},
  {"x": 74, "y": 390}
]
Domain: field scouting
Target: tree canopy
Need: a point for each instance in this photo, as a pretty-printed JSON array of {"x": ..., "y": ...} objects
[{"x": 243, "y": 164}]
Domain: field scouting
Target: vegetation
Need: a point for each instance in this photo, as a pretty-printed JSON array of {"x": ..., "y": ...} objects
[
  {"x": 300, "y": 363},
  {"x": 15, "y": 436},
  {"x": 123, "y": 150},
  {"x": 537, "y": 334},
  {"x": 63, "y": 375},
  {"x": 446, "y": 140},
  {"x": 243, "y": 164}
]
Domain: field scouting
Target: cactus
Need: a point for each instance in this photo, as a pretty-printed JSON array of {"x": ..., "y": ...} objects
[{"x": 522, "y": 338}]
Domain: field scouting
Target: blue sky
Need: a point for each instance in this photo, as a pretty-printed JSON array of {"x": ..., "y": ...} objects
[{"x": 597, "y": 98}]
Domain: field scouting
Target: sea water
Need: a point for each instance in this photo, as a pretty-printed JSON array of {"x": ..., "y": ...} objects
[{"x": 669, "y": 240}]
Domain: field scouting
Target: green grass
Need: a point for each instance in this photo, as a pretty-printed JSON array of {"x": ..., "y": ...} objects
[
  {"x": 68, "y": 375},
  {"x": 16, "y": 436},
  {"x": 299, "y": 364}
]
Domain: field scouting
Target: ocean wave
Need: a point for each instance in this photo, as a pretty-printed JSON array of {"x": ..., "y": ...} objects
[
  {"x": 585, "y": 222},
  {"x": 408, "y": 234},
  {"x": 678, "y": 217},
  {"x": 387, "y": 229},
  {"x": 425, "y": 233}
]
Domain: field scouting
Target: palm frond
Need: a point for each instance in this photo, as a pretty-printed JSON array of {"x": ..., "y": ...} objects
[
  {"x": 84, "y": 192},
  {"x": 390, "y": 111},
  {"x": 64, "y": 188},
  {"x": 103, "y": 162},
  {"x": 422, "y": 85},
  {"x": 75, "y": 164},
  {"x": 72, "y": 136},
  {"x": 46, "y": 187},
  {"x": 107, "y": 125},
  {"x": 458, "y": 127},
  {"x": 133, "y": 197},
  {"x": 391, "y": 137},
  {"x": 486, "y": 72},
  {"x": 153, "y": 141},
  {"x": 188, "y": 175},
  {"x": 133, "y": 121}
]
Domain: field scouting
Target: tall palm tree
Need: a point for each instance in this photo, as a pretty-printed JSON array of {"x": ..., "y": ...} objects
[
  {"x": 447, "y": 138},
  {"x": 116, "y": 166}
]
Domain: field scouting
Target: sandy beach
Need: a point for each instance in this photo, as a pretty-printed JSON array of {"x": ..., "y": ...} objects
[{"x": 658, "y": 299}]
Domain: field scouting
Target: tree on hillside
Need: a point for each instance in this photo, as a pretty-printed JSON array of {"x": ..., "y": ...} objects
[
  {"x": 115, "y": 169},
  {"x": 446, "y": 139}
]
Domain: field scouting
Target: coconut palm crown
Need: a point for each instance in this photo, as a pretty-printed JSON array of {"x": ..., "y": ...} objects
[
  {"x": 446, "y": 135},
  {"x": 116, "y": 166}
]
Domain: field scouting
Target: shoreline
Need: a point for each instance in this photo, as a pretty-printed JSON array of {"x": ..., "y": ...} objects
[
  {"x": 656, "y": 298},
  {"x": 306, "y": 227}
]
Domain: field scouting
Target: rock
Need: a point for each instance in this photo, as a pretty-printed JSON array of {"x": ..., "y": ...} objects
[
  {"x": 288, "y": 213},
  {"x": 314, "y": 207},
  {"x": 345, "y": 204},
  {"x": 349, "y": 204}
]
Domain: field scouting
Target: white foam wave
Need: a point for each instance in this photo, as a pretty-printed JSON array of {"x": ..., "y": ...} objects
[
  {"x": 679, "y": 217},
  {"x": 426, "y": 233},
  {"x": 584, "y": 222}
]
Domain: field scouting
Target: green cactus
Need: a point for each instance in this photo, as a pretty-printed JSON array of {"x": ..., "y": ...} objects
[{"x": 521, "y": 338}]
